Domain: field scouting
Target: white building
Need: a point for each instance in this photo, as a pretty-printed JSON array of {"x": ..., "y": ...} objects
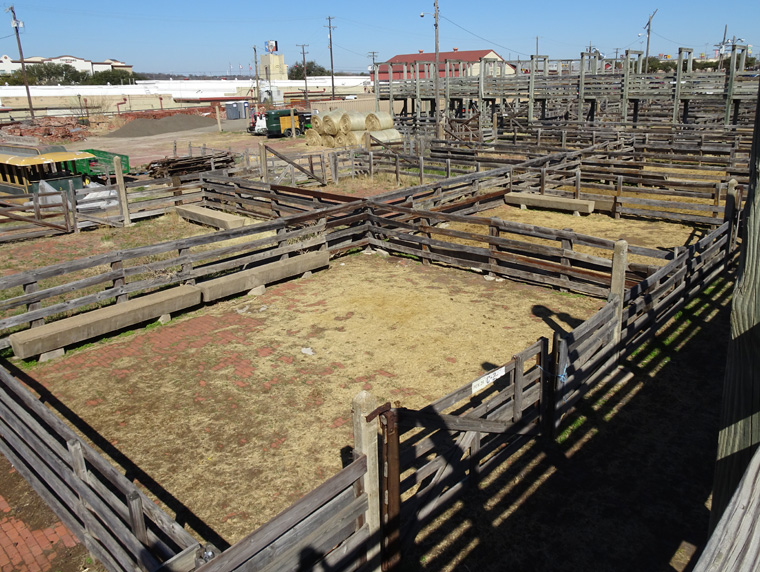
[{"x": 8, "y": 65}]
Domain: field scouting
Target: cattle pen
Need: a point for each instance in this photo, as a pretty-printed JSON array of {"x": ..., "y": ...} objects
[{"x": 408, "y": 462}]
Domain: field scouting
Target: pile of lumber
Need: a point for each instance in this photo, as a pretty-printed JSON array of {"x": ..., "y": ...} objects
[{"x": 175, "y": 166}]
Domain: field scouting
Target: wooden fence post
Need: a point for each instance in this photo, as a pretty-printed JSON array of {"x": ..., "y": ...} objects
[
  {"x": 617, "y": 287},
  {"x": 137, "y": 517},
  {"x": 80, "y": 470},
  {"x": 733, "y": 198},
  {"x": 616, "y": 206},
  {"x": 73, "y": 204},
  {"x": 422, "y": 170},
  {"x": 365, "y": 442},
  {"x": 31, "y": 288},
  {"x": 121, "y": 188},
  {"x": 263, "y": 162},
  {"x": 371, "y": 166},
  {"x": 391, "y": 518}
]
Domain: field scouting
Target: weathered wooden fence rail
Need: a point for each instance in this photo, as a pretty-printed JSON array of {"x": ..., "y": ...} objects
[{"x": 113, "y": 518}]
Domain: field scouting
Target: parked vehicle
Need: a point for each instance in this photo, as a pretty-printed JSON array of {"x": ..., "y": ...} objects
[{"x": 277, "y": 123}]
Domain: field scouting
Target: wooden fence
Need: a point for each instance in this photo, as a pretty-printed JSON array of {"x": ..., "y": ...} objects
[
  {"x": 445, "y": 445},
  {"x": 113, "y": 518}
]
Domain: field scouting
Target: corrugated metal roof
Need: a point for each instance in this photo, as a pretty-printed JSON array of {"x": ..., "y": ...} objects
[{"x": 460, "y": 55}]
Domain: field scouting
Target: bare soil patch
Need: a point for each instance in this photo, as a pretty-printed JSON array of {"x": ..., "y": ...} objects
[{"x": 241, "y": 408}]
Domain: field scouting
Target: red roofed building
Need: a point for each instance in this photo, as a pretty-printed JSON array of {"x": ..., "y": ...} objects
[{"x": 461, "y": 63}]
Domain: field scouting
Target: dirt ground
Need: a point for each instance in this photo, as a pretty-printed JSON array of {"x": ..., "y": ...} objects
[
  {"x": 144, "y": 149},
  {"x": 240, "y": 408},
  {"x": 236, "y": 410}
]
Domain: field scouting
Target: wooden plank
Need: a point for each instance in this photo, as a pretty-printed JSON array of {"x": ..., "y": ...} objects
[
  {"x": 267, "y": 533},
  {"x": 413, "y": 418},
  {"x": 318, "y": 534}
]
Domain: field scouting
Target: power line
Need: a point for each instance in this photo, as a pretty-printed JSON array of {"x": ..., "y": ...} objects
[{"x": 482, "y": 38}]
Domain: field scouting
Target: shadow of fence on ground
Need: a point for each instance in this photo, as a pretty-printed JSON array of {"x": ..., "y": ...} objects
[{"x": 626, "y": 484}]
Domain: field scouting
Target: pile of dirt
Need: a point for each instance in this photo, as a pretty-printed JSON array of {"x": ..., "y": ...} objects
[{"x": 143, "y": 127}]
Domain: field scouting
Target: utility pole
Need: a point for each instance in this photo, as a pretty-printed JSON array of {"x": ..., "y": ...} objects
[
  {"x": 330, "y": 28},
  {"x": 648, "y": 26},
  {"x": 536, "y": 46},
  {"x": 256, "y": 66},
  {"x": 305, "y": 82},
  {"x": 437, "y": 83},
  {"x": 372, "y": 55},
  {"x": 16, "y": 25}
]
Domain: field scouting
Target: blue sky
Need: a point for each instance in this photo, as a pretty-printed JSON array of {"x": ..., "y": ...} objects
[{"x": 205, "y": 37}]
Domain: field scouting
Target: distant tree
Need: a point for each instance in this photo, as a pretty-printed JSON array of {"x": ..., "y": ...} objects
[
  {"x": 312, "y": 69},
  {"x": 113, "y": 77},
  {"x": 54, "y": 74}
]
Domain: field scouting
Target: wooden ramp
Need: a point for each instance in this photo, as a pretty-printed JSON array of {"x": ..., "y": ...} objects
[
  {"x": 550, "y": 202},
  {"x": 210, "y": 217}
]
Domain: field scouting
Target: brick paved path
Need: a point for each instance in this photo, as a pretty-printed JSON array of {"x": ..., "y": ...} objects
[{"x": 23, "y": 549}]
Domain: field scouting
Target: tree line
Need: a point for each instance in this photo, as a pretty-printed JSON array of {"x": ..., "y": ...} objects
[{"x": 65, "y": 74}]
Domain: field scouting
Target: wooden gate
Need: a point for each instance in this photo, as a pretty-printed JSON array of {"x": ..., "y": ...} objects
[{"x": 430, "y": 455}]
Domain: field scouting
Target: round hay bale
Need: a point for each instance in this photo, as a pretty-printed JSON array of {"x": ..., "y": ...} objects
[
  {"x": 352, "y": 121},
  {"x": 331, "y": 121},
  {"x": 316, "y": 123},
  {"x": 312, "y": 137},
  {"x": 354, "y": 138},
  {"x": 387, "y": 135},
  {"x": 378, "y": 121},
  {"x": 328, "y": 141}
]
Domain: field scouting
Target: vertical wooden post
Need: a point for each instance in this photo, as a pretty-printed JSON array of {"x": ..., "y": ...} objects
[
  {"x": 292, "y": 124},
  {"x": 218, "y": 118},
  {"x": 31, "y": 288},
  {"x": 398, "y": 172},
  {"x": 617, "y": 287},
  {"x": 365, "y": 443},
  {"x": 73, "y": 203},
  {"x": 121, "y": 189},
  {"x": 174, "y": 149},
  {"x": 187, "y": 267},
  {"x": 567, "y": 244},
  {"x": 371, "y": 166},
  {"x": 118, "y": 265},
  {"x": 391, "y": 514},
  {"x": 733, "y": 205},
  {"x": 577, "y": 183},
  {"x": 422, "y": 170},
  {"x": 519, "y": 381},
  {"x": 616, "y": 205},
  {"x": 80, "y": 470},
  {"x": 542, "y": 184},
  {"x": 263, "y": 162},
  {"x": 65, "y": 210},
  {"x": 137, "y": 517},
  {"x": 189, "y": 149}
]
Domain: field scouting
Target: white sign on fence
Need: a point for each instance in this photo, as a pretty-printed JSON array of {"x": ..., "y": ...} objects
[{"x": 488, "y": 379}]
